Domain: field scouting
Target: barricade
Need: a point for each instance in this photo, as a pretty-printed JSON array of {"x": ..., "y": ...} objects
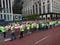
[{"x": 1, "y": 37}]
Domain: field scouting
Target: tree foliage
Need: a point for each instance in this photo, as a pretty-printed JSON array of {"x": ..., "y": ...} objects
[
  {"x": 33, "y": 16},
  {"x": 17, "y": 7}
]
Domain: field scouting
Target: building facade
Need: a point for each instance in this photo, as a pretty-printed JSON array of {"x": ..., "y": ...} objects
[
  {"x": 47, "y": 8},
  {"x": 6, "y": 12}
]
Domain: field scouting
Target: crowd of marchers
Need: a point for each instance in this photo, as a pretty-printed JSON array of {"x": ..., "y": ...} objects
[{"x": 29, "y": 27}]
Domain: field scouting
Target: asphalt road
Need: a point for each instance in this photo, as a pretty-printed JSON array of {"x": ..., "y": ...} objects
[{"x": 48, "y": 37}]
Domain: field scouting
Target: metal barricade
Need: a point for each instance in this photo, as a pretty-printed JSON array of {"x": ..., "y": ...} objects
[{"x": 1, "y": 37}]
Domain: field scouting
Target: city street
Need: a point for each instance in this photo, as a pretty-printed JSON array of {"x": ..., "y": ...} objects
[
  {"x": 19, "y": 17},
  {"x": 48, "y": 37}
]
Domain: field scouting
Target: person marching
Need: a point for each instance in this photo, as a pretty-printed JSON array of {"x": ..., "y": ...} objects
[
  {"x": 2, "y": 29},
  {"x": 32, "y": 27},
  {"x": 46, "y": 25},
  {"x": 12, "y": 35},
  {"x": 28, "y": 28},
  {"x": 37, "y": 27},
  {"x": 59, "y": 22},
  {"x": 50, "y": 23},
  {"x": 42, "y": 26},
  {"x": 21, "y": 31}
]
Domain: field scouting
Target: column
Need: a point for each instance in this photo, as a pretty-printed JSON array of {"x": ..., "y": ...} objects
[
  {"x": 41, "y": 7},
  {"x": 32, "y": 9},
  {"x": 38, "y": 8},
  {"x": 35, "y": 9},
  {"x": 51, "y": 5},
  {"x": 0, "y": 16},
  {"x": 11, "y": 10},
  {"x": 5, "y": 10},
  {"x": 51, "y": 16},
  {"x": 8, "y": 10},
  {"x": 46, "y": 6},
  {"x": 26, "y": 10},
  {"x": 2, "y": 10}
]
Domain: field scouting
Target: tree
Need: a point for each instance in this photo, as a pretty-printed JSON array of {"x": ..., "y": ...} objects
[
  {"x": 33, "y": 16},
  {"x": 17, "y": 7}
]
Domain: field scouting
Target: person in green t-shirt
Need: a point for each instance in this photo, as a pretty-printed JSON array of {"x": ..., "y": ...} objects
[
  {"x": 42, "y": 26},
  {"x": 59, "y": 22},
  {"x": 37, "y": 27},
  {"x": 28, "y": 28},
  {"x": 32, "y": 27},
  {"x": 2, "y": 29},
  {"x": 12, "y": 35},
  {"x": 21, "y": 31},
  {"x": 46, "y": 25},
  {"x": 51, "y": 24}
]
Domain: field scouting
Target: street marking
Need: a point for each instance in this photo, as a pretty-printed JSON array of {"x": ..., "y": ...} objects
[
  {"x": 7, "y": 39},
  {"x": 41, "y": 40}
]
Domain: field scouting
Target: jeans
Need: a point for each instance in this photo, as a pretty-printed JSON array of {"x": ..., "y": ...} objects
[
  {"x": 28, "y": 31},
  {"x": 12, "y": 36},
  {"x": 21, "y": 34},
  {"x": 51, "y": 26},
  {"x": 37, "y": 29},
  {"x": 4, "y": 34}
]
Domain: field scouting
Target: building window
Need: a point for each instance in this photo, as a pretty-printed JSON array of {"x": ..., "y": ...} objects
[
  {"x": 3, "y": 4},
  {"x": 48, "y": 8},
  {"x": 5, "y": 17},
  {"x": 1, "y": 16},
  {"x": 43, "y": 9},
  {"x": 33, "y": 9},
  {"x": 43, "y": 3},
  {"x": 0, "y": 3},
  {"x": 48, "y": 1},
  {"x": 10, "y": 5},
  {"x": 40, "y": 8},
  {"x": 7, "y": 3},
  {"x": 36, "y": 9},
  {"x": 8, "y": 17}
]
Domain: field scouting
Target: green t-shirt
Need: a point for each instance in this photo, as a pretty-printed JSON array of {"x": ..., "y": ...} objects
[
  {"x": 28, "y": 26},
  {"x": 53, "y": 22},
  {"x": 37, "y": 25},
  {"x": 50, "y": 23},
  {"x": 46, "y": 24},
  {"x": 12, "y": 29},
  {"x": 58, "y": 22},
  {"x": 32, "y": 26},
  {"x": 2, "y": 29},
  {"x": 21, "y": 28},
  {"x": 43, "y": 25}
]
